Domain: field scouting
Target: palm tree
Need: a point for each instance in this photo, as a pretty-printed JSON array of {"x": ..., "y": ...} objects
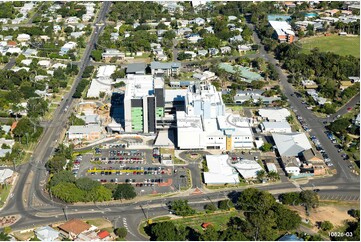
[
  {"x": 4, "y": 237},
  {"x": 261, "y": 174},
  {"x": 273, "y": 175}
]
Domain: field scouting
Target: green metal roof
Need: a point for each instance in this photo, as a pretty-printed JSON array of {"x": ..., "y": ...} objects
[{"x": 246, "y": 72}]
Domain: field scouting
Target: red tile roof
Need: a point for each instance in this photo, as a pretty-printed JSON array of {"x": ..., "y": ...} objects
[
  {"x": 75, "y": 226},
  {"x": 11, "y": 42},
  {"x": 103, "y": 234},
  {"x": 205, "y": 225}
]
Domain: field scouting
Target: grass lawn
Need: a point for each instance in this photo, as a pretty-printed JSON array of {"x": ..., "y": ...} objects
[
  {"x": 4, "y": 193},
  {"x": 218, "y": 220},
  {"x": 100, "y": 223},
  {"x": 341, "y": 45}
]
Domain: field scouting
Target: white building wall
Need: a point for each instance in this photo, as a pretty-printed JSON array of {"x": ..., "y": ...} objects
[{"x": 191, "y": 139}]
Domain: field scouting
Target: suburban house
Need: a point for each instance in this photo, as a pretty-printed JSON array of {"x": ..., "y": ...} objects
[
  {"x": 5, "y": 174},
  {"x": 66, "y": 47},
  {"x": 168, "y": 69},
  {"x": 282, "y": 31},
  {"x": 309, "y": 84},
  {"x": 73, "y": 228},
  {"x": 46, "y": 233},
  {"x": 226, "y": 50},
  {"x": 88, "y": 132},
  {"x": 23, "y": 37},
  {"x": 291, "y": 165}
]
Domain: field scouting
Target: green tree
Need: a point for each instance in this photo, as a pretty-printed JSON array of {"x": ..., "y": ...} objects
[
  {"x": 309, "y": 198},
  {"x": 232, "y": 234},
  {"x": 285, "y": 218},
  {"x": 86, "y": 184},
  {"x": 124, "y": 191},
  {"x": 118, "y": 74},
  {"x": 291, "y": 198},
  {"x": 37, "y": 107},
  {"x": 210, "y": 208},
  {"x": 339, "y": 125},
  {"x": 210, "y": 234},
  {"x": 181, "y": 208},
  {"x": 62, "y": 177},
  {"x": 55, "y": 164},
  {"x": 4, "y": 237},
  {"x": 211, "y": 41},
  {"x": 121, "y": 232},
  {"x": 68, "y": 192},
  {"x": 225, "y": 204},
  {"x": 261, "y": 175},
  {"x": 266, "y": 147},
  {"x": 326, "y": 225},
  {"x": 166, "y": 231},
  {"x": 96, "y": 55}
]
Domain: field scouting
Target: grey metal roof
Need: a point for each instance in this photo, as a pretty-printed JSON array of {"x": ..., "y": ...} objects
[
  {"x": 167, "y": 65},
  {"x": 136, "y": 67},
  {"x": 291, "y": 144}
]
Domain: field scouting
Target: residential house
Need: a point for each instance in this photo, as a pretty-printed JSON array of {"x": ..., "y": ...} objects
[
  {"x": 198, "y": 21},
  {"x": 77, "y": 35},
  {"x": 202, "y": 52},
  {"x": 5, "y": 128},
  {"x": 87, "y": 132},
  {"x": 209, "y": 30},
  {"x": 226, "y": 50},
  {"x": 73, "y": 228},
  {"x": 314, "y": 94},
  {"x": 66, "y": 47},
  {"x": 46, "y": 233},
  {"x": 23, "y": 37},
  {"x": 194, "y": 38},
  {"x": 8, "y": 142},
  {"x": 112, "y": 53},
  {"x": 232, "y": 18},
  {"x": 44, "y": 63},
  {"x": 243, "y": 48},
  {"x": 291, "y": 165},
  {"x": 345, "y": 84},
  {"x": 5, "y": 174},
  {"x": 213, "y": 51},
  {"x": 309, "y": 84},
  {"x": 182, "y": 23},
  {"x": 237, "y": 38},
  {"x": 114, "y": 36},
  {"x": 184, "y": 31},
  {"x": 11, "y": 44},
  {"x": 26, "y": 62},
  {"x": 59, "y": 65},
  {"x": 14, "y": 50},
  {"x": 205, "y": 76},
  {"x": 169, "y": 68},
  {"x": 72, "y": 20},
  {"x": 136, "y": 68},
  {"x": 3, "y": 152}
]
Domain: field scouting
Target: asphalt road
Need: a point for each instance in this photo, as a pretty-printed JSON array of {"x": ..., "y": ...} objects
[{"x": 10, "y": 64}]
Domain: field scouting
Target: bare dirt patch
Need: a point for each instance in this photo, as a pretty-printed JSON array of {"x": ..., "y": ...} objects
[{"x": 335, "y": 213}]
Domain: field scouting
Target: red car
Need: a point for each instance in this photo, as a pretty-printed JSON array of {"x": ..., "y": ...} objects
[{"x": 349, "y": 109}]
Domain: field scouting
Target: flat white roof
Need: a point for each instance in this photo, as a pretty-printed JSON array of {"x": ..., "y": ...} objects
[
  {"x": 99, "y": 85},
  {"x": 171, "y": 95},
  {"x": 276, "y": 125},
  {"x": 248, "y": 168},
  {"x": 220, "y": 172},
  {"x": 189, "y": 122},
  {"x": 106, "y": 71},
  {"x": 138, "y": 86},
  {"x": 84, "y": 129},
  {"x": 274, "y": 114},
  {"x": 234, "y": 124}
]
